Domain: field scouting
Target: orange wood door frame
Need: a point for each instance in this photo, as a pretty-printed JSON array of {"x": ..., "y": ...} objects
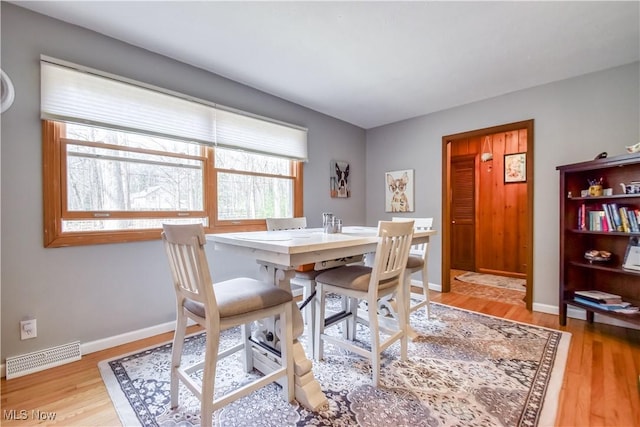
[{"x": 447, "y": 141}]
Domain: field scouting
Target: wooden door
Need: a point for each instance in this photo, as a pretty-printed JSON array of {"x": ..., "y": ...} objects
[
  {"x": 463, "y": 183},
  {"x": 459, "y": 241}
]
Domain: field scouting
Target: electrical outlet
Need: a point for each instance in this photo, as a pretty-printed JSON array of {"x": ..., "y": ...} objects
[{"x": 28, "y": 329}]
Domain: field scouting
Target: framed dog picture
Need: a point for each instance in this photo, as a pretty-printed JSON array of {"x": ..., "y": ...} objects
[
  {"x": 399, "y": 191},
  {"x": 339, "y": 181}
]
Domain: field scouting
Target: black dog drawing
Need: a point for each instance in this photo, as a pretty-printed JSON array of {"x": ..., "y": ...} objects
[{"x": 343, "y": 176}]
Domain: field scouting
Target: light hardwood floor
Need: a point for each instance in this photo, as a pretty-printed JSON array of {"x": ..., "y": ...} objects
[{"x": 600, "y": 386}]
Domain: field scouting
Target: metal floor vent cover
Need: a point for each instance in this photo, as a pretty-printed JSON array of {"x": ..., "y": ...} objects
[{"x": 18, "y": 366}]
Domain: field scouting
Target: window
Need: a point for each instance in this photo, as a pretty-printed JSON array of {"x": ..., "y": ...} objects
[
  {"x": 251, "y": 186},
  {"x": 121, "y": 157},
  {"x": 104, "y": 185}
]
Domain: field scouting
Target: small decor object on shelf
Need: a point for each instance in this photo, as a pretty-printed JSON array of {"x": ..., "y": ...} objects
[
  {"x": 635, "y": 148},
  {"x": 595, "y": 191},
  {"x": 632, "y": 255},
  {"x": 632, "y": 188},
  {"x": 595, "y": 187},
  {"x": 598, "y": 256}
]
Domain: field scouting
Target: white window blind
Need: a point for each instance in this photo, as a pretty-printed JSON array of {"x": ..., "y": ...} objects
[
  {"x": 249, "y": 133},
  {"x": 86, "y": 96}
]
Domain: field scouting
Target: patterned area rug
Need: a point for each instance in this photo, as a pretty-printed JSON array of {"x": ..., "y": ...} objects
[
  {"x": 465, "y": 369},
  {"x": 508, "y": 296},
  {"x": 493, "y": 280}
]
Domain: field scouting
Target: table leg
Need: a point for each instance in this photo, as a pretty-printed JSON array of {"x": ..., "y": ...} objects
[{"x": 307, "y": 389}]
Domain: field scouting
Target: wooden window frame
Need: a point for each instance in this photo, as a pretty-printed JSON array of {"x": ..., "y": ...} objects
[{"x": 54, "y": 200}]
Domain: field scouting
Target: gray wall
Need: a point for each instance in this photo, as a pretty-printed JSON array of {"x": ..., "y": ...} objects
[
  {"x": 575, "y": 119},
  {"x": 90, "y": 293},
  {"x": 93, "y": 292}
]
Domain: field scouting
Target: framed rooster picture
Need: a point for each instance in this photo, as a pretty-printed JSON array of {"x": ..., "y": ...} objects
[
  {"x": 339, "y": 181},
  {"x": 399, "y": 191}
]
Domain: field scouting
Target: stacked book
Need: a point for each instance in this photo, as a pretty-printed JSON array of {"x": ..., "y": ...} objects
[{"x": 604, "y": 301}]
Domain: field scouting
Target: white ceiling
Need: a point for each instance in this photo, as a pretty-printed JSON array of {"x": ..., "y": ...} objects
[{"x": 373, "y": 63}]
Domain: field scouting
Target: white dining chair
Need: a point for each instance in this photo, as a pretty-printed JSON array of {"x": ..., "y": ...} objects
[
  {"x": 296, "y": 223},
  {"x": 304, "y": 280},
  {"x": 358, "y": 282},
  {"x": 418, "y": 261},
  {"x": 217, "y": 307}
]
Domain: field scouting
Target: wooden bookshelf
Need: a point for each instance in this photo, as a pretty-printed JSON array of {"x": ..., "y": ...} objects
[{"x": 578, "y": 273}]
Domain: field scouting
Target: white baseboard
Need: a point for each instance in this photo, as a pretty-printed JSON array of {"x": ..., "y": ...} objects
[
  {"x": 545, "y": 308},
  {"x": 127, "y": 337},
  {"x": 435, "y": 287}
]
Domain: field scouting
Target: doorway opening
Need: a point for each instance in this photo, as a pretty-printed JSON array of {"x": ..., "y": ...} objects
[{"x": 487, "y": 200}]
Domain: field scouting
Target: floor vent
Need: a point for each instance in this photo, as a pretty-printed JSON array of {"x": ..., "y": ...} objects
[{"x": 18, "y": 366}]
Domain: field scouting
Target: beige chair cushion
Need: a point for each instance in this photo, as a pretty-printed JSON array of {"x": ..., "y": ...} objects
[
  {"x": 415, "y": 262},
  {"x": 240, "y": 296},
  {"x": 309, "y": 275},
  {"x": 355, "y": 277}
]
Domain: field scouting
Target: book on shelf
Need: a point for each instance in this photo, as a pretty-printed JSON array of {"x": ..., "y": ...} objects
[
  {"x": 596, "y": 221},
  {"x": 621, "y": 308},
  {"x": 632, "y": 309},
  {"x": 632, "y": 254},
  {"x": 603, "y": 306},
  {"x": 615, "y": 214},
  {"x": 607, "y": 215},
  {"x": 582, "y": 224},
  {"x": 626, "y": 227},
  {"x": 604, "y": 224},
  {"x": 598, "y": 296},
  {"x": 633, "y": 221}
]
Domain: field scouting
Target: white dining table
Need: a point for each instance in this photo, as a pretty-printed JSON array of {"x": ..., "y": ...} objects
[{"x": 278, "y": 253}]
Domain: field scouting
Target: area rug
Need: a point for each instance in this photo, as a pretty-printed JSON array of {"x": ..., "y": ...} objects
[
  {"x": 464, "y": 369},
  {"x": 493, "y": 280},
  {"x": 491, "y": 293}
]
